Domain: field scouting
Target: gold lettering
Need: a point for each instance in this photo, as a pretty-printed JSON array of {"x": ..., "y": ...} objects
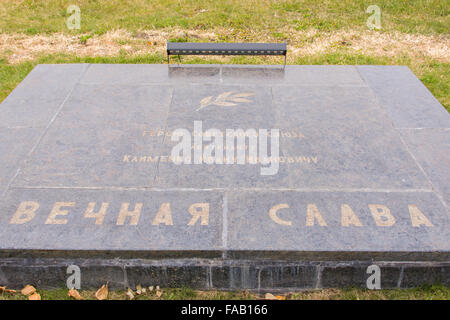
[
  {"x": 124, "y": 213},
  {"x": 164, "y": 215},
  {"x": 348, "y": 217},
  {"x": 274, "y": 217},
  {"x": 417, "y": 217},
  {"x": 382, "y": 215},
  {"x": 25, "y": 212},
  {"x": 98, "y": 216},
  {"x": 314, "y": 214},
  {"x": 199, "y": 210},
  {"x": 57, "y": 211}
]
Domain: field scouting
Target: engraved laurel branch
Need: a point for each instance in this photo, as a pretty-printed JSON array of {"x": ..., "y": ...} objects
[{"x": 226, "y": 99}]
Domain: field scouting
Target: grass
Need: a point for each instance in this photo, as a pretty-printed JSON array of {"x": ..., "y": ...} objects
[
  {"x": 435, "y": 292},
  {"x": 98, "y": 16}
]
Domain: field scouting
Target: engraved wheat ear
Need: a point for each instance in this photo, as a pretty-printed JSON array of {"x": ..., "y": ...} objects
[{"x": 226, "y": 99}]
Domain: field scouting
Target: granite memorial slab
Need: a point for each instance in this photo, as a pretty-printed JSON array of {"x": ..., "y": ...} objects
[{"x": 220, "y": 176}]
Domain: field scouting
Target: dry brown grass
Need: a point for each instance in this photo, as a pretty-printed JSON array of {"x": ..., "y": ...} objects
[{"x": 20, "y": 47}]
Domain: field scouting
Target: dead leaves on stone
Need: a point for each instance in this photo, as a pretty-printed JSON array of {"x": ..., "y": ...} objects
[
  {"x": 158, "y": 292},
  {"x": 74, "y": 294},
  {"x": 5, "y": 289},
  {"x": 102, "y": 293},
  {"x": 270, "y": 296},
  {"x": 35, "y": 296},
  {"x": 130, "y": 294},
  {"x": 226, "y": 99},
  {"x": 30, "y": 291}
]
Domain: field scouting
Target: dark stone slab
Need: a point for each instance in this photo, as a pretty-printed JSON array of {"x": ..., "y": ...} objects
[
  {"x": 138, "y": 74},
  {"x": 173, "y": 276},
  {"x": 15, "y": 145},
  {"x": 117, "y": 106},
  {"x": 224, "y": 275},
  {"x": 352, "y": 145},
  {"x": 348, "y": 139},
  {"x": 18, "y": 274},
  {"x": 405, "y": 99},
  {"x": 322, "y": 76},
  {"x": 355, "y": 274},
  {"x": 259, "y": 113},
  {"x": 92, "y": 157},
  {"x": 431, "y": 148},
  {"x": 294, "y": 276},
  {"x": 251, "y": 228},
  {"x": 72, "y": 230},
  {"x": 214, "y": 74},
  {"x": 234, "y": 277},
  {"x": 422, "y": 274},
  {"x": 37, "y": 99}
]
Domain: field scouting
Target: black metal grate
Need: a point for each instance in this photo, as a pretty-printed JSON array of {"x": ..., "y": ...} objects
[{"x": 193, "y": 48}]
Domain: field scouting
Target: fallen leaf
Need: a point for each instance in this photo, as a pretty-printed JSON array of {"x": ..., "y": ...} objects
[
  {"x": 4, "y": 289},
  {"x": 35, "y": 296},
  {"x": 102, "y": 293},
  {"x": 280, "y": 297},
  {"x": 270, "y": 296},
  {"x": 28, "y": 290},
  {"x": 139, "y": 289},
  {"x": 130, "y": 294},
  {"x": 74, "y": 294}
]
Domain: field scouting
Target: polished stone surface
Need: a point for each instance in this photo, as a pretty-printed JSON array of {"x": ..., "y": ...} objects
[
  {"x": 252, "y": 228},
  {"x": 366, "y": 148},
  {"x": 162, "y": 221}
]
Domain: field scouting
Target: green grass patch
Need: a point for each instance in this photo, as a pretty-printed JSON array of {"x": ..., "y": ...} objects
[{"x": 99, "y": 16}]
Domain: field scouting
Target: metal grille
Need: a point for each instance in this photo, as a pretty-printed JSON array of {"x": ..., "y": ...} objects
[{"x": 192, "y": 48}]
